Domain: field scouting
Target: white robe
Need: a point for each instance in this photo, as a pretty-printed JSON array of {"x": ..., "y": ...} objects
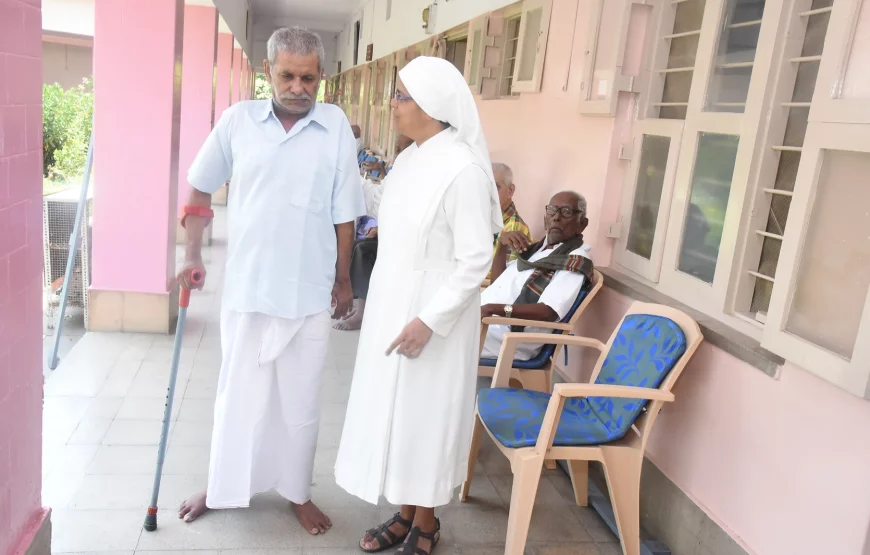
[
  {"x": 267, "y": 410},
  {"x": 408, "y": 427}
]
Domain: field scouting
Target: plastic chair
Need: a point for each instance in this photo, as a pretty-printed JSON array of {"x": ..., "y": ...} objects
[
  {"x": 537, "y": 373},
  {"x": 375, "y": 174},
  {"x": 608, "y": 420}
]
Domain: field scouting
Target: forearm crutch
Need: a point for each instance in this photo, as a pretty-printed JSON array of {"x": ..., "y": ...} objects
[{"x": 183, "y": 302}]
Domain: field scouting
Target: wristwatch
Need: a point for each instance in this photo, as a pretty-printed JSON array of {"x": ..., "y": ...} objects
[{"x": 508, "y": 310}]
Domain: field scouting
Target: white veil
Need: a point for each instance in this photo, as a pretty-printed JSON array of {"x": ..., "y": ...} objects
[{"x": 441, "y": 91}]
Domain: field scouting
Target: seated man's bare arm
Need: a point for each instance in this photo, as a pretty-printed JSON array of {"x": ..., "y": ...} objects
[
  {"x": 507, "y": 241},
  {"x": 538, "y": 312}
]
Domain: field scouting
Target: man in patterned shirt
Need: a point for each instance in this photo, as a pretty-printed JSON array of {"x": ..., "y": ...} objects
[{"x": 504, "y": 182}]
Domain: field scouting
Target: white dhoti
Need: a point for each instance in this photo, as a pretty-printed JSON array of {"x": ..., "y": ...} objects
[{"x": 267, "y": 411}]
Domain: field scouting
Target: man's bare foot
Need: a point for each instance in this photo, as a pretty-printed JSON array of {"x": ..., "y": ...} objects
[
  {"x": 193, "y": 508},
  {"x": 311, "y": 518},
  {"x": 351, "y": 322}
]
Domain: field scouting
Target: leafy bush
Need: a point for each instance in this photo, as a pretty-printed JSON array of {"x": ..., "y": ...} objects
[
  {"x": 67, "y": 117},
  {"x": 262, "y": 88}
]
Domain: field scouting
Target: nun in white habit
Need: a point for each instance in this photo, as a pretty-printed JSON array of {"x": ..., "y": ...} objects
[{"x": 409, "y": 419}]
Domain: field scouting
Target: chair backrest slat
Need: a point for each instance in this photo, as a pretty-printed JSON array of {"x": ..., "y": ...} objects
[{"x": 692, "y": 337}]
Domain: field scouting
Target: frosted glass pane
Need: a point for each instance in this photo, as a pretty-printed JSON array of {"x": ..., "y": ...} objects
[
  {"x": 738, "y": 39},
  {"x": 648, "y": 194},
  {"x": 834, "y": 267},
  {"x": 530, "y": 44},
  {"x": 476, "y": 47},
  {"x": 708, "y": 200},
  {"x": 856, "y": 84}
]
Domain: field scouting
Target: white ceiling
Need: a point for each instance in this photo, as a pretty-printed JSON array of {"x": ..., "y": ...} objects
[{"x": 321, "y": 15}]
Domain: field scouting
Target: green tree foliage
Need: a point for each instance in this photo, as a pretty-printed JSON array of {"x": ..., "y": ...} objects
[
  {"x": 262, "y": 88},
  {"x": 67, "y": 117}
]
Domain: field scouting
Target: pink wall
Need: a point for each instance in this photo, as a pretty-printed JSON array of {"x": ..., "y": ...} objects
[
  {"x": 224, "y": 71},
  {"x": 136, "y": 173},
  {"x": 237, "y": 74},
  {"x": 197, "y": 94},
  {"x": 547, "y": 143},
  {"x": 781, "y": 464},
  {"x": 21, "y": 510}
]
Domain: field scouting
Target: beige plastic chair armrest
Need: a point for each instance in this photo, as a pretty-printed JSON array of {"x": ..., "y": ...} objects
[
  {"x": 563, "y": 391},
  {"x": 501, "y": 376},
  {"x": 549, "y": 339},
  {"x": 503, "y": 321},
  {"x": 611, "y": 390}
]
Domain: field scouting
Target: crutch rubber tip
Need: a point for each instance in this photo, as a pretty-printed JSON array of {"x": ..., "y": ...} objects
[{"x": 150, "y": 522}]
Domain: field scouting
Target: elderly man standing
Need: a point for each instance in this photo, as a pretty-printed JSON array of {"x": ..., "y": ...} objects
[{"x": 296, "y": 194}]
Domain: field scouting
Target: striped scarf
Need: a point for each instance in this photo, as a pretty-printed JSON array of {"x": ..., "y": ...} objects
[{"x": 545, "y": 268}]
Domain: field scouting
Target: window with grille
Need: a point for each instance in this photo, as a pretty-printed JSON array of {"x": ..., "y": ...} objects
[
  {"x": 506, "y": 49},
  {"x": 801, "y": 68},
  {"x": 675, "y": 68},
  {"x": 509, "y": 61},
  {"x": 747, "y": 195},
  {"x": 694, "y": 146}
]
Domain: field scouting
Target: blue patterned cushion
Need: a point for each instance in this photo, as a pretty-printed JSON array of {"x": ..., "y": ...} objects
[
  {"x": 540, "y": 361},
  {"x": 514, "y": 416},
  {"x": 643, "y": 353}
]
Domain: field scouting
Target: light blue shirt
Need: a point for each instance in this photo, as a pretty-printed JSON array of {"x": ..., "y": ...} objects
[{"x": 288, "y": 190}]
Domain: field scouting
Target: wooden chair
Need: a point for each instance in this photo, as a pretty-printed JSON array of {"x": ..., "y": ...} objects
[
  {"x": 608, "y": 420},
  {"x": 537, "y": 373}
]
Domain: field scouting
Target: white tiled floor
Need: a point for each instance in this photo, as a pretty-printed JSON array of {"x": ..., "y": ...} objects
[{"x": 103, "y": 410}]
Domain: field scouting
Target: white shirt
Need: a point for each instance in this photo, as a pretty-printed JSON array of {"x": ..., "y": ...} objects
[
  {"x": 288, "y": 190},
  {"x": 373, "y": 193},
  {"x": 559, "y": 295}
]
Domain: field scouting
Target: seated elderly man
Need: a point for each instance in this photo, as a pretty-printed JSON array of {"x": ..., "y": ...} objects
[
  {"x": 365, "y": 251},
  {"x": 545, "y": 279},
  {"x": 504, "y": 183}
]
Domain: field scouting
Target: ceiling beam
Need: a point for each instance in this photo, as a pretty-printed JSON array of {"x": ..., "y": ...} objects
[{"x": 264, "y": 27}]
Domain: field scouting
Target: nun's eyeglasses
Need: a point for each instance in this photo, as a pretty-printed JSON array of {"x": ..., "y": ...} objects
[{"x": 400, "y": 97}]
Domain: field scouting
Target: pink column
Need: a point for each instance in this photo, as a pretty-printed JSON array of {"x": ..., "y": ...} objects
[
  {"x": 136, "y": 163},
  {"x": 197, "y": 94},
  {"x": 237, "y": 74},
  {"x": 250, "y": 80},
  {"x": 243, "y": 95},
  {"x": 253, "y": 83},
  {"x": 21, "y": 514},
  {"x": 223, "y": 91}
]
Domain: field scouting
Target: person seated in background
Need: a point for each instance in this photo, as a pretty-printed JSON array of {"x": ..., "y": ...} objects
[
  {"x": 545, "y": 279},
  {"x": 357, "y": 134},
  {"x": 504, "y": 182},
  {"x": 365, "y": 251}
]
